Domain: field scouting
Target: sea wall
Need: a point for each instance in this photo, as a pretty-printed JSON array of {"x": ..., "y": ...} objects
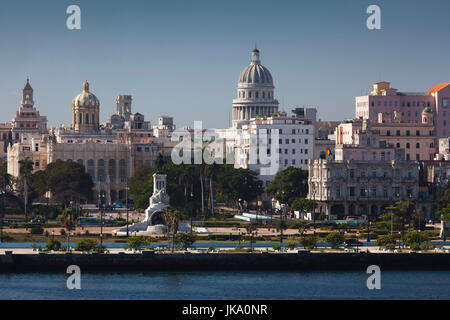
[{"x": 149, "y": 261}]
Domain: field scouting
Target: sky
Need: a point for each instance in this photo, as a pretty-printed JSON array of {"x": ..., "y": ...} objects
[{"x": 183, "y": 57}]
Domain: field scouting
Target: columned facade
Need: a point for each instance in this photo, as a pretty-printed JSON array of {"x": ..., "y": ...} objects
[
  {"x": 361, "y": 188},
  {"x": 255, "y": 93}
]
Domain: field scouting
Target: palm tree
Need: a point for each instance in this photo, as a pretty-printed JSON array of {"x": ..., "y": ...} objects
[
  {"x": 172, "y": 218},
  {"x": 5, "y": 185},
  {"x": 25, "y": 173}
]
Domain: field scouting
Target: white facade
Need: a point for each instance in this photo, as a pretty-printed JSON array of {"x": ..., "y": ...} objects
[
  {"x": 355, "y": 188},
  {"x": 269, "y": 145}
]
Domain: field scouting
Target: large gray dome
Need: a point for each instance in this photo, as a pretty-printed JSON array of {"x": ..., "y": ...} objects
[{"x": 256, "y": 74}]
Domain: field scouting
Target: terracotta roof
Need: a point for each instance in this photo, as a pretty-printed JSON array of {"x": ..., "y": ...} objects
[{"x": 438, "y": 87}]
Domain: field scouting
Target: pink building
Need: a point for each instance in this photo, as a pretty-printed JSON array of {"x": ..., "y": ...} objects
[
  {"x": 383, "y": 101},
  {"x": 357, "y": 140},
  {"x": 416, "y": 139},
  {"x": 27, "y": 119}
]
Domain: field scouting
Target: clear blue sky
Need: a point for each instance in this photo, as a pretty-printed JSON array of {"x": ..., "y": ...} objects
[{"x": 183, "y": 58}]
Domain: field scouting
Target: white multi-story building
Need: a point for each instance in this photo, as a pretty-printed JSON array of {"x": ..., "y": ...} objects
[
  {"x": 270, "y": 144},
  {"x": 361, "y": 187}
]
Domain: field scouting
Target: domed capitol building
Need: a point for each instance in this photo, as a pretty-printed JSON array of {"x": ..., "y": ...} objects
[
  {"x": 255, "y": 93},
  {"x": 112, "y": 151}
]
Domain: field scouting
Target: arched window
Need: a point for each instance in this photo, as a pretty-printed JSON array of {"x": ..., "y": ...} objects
[
  {"x": 101, "y": 170},
  {"x": 407, "y": 145},
  {"x": 91, "y": 168},
  {"x": 87, "y": 118},
  {"x": 112, "y": 170},
  {"x": 417, "y": 145},
  {"x": 122, "y": 170},
  {"x": 80, "y": 161}
]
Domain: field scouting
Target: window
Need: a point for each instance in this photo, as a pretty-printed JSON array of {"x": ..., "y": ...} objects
[
  {"x": 352, "y": 191},
  {"x": 407, "y": 145},
  {"x": 398, "y": 132},
  {"x": 306, "y": 141},
  {"x": 398, "y": 145},
  {"x": 101, "y": 170},
  {"x": 362, "y": 192},
  {"x": 418, "y": 133},
  {"x": 306, "y": 151},
  {"x": 112, "y": 170},
  {"x": 445, "y": 102},
  {"x": 418, "y": 145},
  {"x": 397, "y": 192},
  {"x": 407, "y": 133},
  {"x": 91, "y": 168},
  {"x": 388, "y": 133}
]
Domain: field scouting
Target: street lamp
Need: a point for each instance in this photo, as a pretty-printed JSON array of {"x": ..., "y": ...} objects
[
  {"x": 192, "y": 209},
  {"x": 126, "y": 203},
  {"x": 2, "y": 215}
]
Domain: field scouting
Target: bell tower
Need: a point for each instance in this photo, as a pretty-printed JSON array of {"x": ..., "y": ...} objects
[{"x": 27, "y": 96}]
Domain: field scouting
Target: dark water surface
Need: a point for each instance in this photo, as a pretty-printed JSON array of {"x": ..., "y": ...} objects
[{"x": 228, "y": 285}]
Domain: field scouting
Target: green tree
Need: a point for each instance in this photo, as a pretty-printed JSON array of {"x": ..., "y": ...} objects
[
  {"x": 86, "y": 245},
  {"x": 172, "y": 217},
  {"x": 53, "y": 244},
  {"x": 402, "y": 211},
  {"x": 67, "y": 181},
  {"x": 444, "y": 213},
  {"x": 302, "y": 204},
  {"x": 25, "y": 177},
  {"x": 251, "y": 228},
  {"x": 281, "y": 226},
  {"x": 308, "y": 241},
  {"x": 414, "y": 238},
  {"x": 235, "y": 184},
  {"x": 138, "y": 242},
  {"x": 141, "y": 186},
  {"x": 185, "y": 239},
  {"x": 335, "y": 239},
  {"x": 291, "y": 244},
  {"x": 288, "y": 185},
  {"x": 386, "y": 241}
]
